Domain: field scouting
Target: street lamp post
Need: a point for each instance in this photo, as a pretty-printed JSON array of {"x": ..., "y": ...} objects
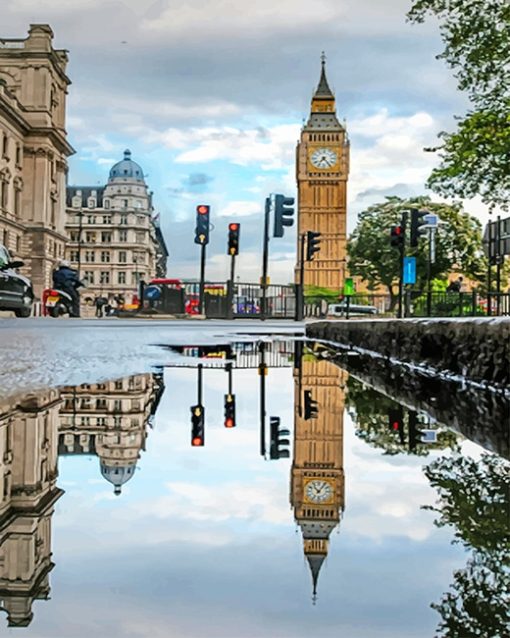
[{"x": 80, "y": 231}]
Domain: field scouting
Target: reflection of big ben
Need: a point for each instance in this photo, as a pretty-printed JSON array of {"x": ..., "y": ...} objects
[
  {"x": 322, "y": 166},
  {"x": 317, "y": 488}
]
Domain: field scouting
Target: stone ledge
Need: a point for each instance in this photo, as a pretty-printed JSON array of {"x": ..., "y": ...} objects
[{"x": 474, "y": 349}]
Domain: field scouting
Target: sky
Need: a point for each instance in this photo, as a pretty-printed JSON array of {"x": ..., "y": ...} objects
[
  {"x": 210, "y": 96},
  {"x": 203, "y": 542}
]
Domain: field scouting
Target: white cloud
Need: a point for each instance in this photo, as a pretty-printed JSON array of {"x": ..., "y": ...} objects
[
  {"x": 240, "y": 209},
  {"x": 271, "y": 148}
]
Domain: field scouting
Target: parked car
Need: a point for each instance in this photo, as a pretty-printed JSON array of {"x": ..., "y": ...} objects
[
  {"x": 16, "y": 292},
  {"x": 340, "y": 309}
]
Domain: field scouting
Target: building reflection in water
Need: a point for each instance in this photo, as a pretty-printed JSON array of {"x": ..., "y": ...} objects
[
  {"x": 317, "y": 475},
  {"x": 109, "y": 420},
  {"x": 28, "y": 492}
]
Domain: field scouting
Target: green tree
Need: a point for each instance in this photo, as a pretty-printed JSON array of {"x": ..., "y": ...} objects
[
  {"x": 474, "y": 499},
  {"x": 458, "y": 244},
  {"x": 370, "y": 410},
  {"x": 475, "y": 159}
]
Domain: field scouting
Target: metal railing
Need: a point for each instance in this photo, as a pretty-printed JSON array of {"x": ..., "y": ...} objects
[{"x": 416, "y": 304}]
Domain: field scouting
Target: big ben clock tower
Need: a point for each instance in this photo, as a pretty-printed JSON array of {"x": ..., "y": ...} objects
[
  {"x": 317, "y": 481},
  {"x": 322, "y": 167}
]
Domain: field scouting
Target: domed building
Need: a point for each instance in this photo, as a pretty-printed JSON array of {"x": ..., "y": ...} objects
[{"x": 115, "y": 237}]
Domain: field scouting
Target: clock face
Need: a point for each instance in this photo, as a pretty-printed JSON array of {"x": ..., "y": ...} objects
[
  {"x": 318, "y": 491},
  {"x": 323, "y": 158}
]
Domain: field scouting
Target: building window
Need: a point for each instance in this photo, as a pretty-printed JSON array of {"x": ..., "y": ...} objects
[
  {"x": 107, "y": 219},
  {"x": 90, "y": 238},
  {"x": 125, "y": 203},
  {"x": 122, "y": 235},
  {"x": 107, "y": 203},
  {"x": 106, "y": 238},
  {"x": 73, "y": 255},
  {"x": 17, "y": 202},
  {"x": 101, "y": 404},
  {"x": 18, "y": 155},
  {"x": 123, "y": 220},
  {"x": 74, "y": 235},
  {"x": 123, "y": 257},
  {"x": 105, "y": 256},
  {"x": 4, "y": 192},
  {"x": 122, "y": 277},
  {"x": 5, "y": 146},
  {"x": 89, "y": 219},
  {"x": 89, "y": 276},
  {"x": 90, "y": 256},
  {"x": 104, "y": 277},
  {"x": 91, "y": 202}
]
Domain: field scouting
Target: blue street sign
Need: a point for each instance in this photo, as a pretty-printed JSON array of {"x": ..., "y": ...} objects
[{"x": 409, "y": 270}]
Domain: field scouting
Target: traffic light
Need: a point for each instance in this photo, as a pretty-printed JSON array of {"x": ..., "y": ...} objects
[
  {"x": 202, "y": 228},
  {"x": 415, "y": 434},
  {"x": 230, "y": 411},
  {"x": 396, "y": 422},
  {"x": 312, "y": 244},
  {"x": 311, "y": 406},
  {"x": 418, "y": 226},
  {"x": 397, "y": 236},
  {"x": 197, "y": 425},
  {"x": 278, "y": 448},
  {"x": 233, "y": 238},
  {"x": 283, "y": 214}
]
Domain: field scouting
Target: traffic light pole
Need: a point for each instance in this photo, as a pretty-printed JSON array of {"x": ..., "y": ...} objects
[
  {"x": 265, "y": 258},
  {"x": 429, "y": 267},
  {"x": 201, "y": 296},
  {"x": 300, "y": 292},
  {"x": 230, "y": 288},
  {"x": 402, "y": 249},
  {"x": 262, "y": 373},
  {"x": 199, "y": 384}
]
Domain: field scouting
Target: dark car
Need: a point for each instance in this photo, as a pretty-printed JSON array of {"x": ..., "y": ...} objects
[{"x": 16, "y": 291}]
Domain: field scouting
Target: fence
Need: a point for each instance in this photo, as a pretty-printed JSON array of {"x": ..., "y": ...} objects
[{"x": 416, "y": 304}]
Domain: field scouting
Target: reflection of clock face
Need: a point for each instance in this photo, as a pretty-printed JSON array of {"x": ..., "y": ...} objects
[
  {"x": 323, "y": 158},
  {"x": 318, "y": 491}
]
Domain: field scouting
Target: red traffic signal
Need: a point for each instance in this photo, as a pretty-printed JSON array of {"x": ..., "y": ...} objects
[
  {"x": 397, "y": 236},
  {"x": 230, "y": 411},
  {"x": 203, "y": 209},
  {"x": 233, "y": 238},
  {"x": 197, "y": 441}
]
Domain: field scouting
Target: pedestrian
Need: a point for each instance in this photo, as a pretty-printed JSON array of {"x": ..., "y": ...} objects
[
  {"x": 100, "y": 303},
  {"x": 455, "y": 286},
  {"x": 66, "y": 279}
]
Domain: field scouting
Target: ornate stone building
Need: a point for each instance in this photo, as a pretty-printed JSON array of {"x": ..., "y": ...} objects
[
  {"x": 28, "y": 493},
  {"x": 322, "y": 167},
  {"x": 317, "y": 475},
  {"x": 33, "y": 151},
  {"x": 110, "y": 420},
  {"x": 115, "y": 239}
]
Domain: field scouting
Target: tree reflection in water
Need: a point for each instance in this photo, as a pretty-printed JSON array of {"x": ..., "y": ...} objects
[{"x": 474, "y": 500}]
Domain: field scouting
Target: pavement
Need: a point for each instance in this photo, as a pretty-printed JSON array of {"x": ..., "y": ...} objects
[{"x": 41, "y": 352}]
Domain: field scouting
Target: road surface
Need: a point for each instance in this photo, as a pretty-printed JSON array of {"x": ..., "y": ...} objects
[{"x": 37, "y": 353}]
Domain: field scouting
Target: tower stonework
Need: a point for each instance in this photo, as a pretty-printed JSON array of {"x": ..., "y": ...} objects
[
  {"x": 322, "y": 167},
  {"x": 317, "y": 481}
]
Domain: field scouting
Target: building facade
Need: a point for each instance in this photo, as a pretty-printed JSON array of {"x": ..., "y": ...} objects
[
  {"x": 322, "y": 168},
  {"x": 317, "y": 475},
  {"x": 110, "y": 420},
  {"x": 33, "y": 152},
  {"x": 115, "y": 240},
  {"x": 28, "y": 493}
]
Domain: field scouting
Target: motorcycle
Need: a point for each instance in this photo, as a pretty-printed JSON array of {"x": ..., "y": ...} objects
[{"x": 57, "y": 303}]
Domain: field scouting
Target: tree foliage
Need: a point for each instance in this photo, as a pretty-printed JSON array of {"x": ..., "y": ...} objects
[
  {"x": 458, "y": 244},
  {"x": 475, "y": 159},
  {"x": 474, "y": 498}
]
